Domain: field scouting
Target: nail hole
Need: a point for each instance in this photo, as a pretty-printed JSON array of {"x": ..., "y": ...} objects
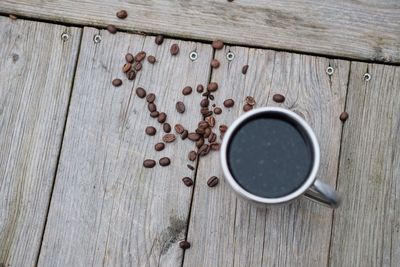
[
  {"x": 367, "y": 77},
  {"x": 193, "y": 55},
  {"x": 230, "y": 56},
  {"x": 329, "y": 71},
  {"x": 64, "y": 36},
  {"x": 97, "y": 38}
]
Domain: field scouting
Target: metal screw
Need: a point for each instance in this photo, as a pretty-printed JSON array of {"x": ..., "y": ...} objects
[
  {"x": 64, "y": 36},
  {"x": 230, "y": 56},
  {"x": 367, "y": 77},
  {"x": 329, "y": 70},
  {"x": 193, "y": 55},
  {"x": 97, "y": 38}
]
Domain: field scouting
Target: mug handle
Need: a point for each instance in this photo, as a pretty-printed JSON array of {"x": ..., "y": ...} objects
[{"x": 323, "y": 193}]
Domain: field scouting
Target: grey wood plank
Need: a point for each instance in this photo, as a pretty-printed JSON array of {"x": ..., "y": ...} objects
[
  {"x": 36, "y": 74},
  {"x": 226, "y": 231},
  {"x": 106, "y": 208},
  {"x": 368, "y": 30},
  {"x": 366, "y": 228}
]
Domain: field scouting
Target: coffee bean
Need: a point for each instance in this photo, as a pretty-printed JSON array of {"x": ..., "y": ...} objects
[
  {"x": 187, "y": 90},
  {"x": 223, "y": 128},
  {"x": 215, "y": 64},
  {"x": 212, "y": 138},
  {"x": 192, "y": 156},
  {"x": 212, "y": 87},
  {"x": 127, "y": 67},
  {"x": 149, "y": 163},
  {"x": 209, "y": 113},
  {"x": 167, "y": 127},
  {"x": 200, "y": 88},
  {"x": 217, "y": 44},
  {"x": 129, "y": 58},
  {"x": 215, "y": 146},
  {"x": 247, "y": 107},
  {"x": 179, "y": 128},
  {"x": 140, "y": 56},
  {"x": 250, "y": 100},
  {"x": 278, "y": 98},
  {"x": 204, "y": 102},
  {"x": 151, "y": 59},
  {"x": 117, "y": 82},
  {"x": 154, "y": 114},
  {"x": 217, "y": 111},
  {"x": 207, "y": 132},
  {"x": 174, "y": 49},
  {"x": 151, "y": 97},
  {"x": 187, "y": 181},
  {"x": 111, "y": 29},
  {"x": 138, "y": 66},
  {"x": 184, "y": 134},
  {"x": 122, "y": 14},
  {"x": 131, "y": 75},
  {"x": 344, "y": 116},
  {"x": 211, "y": 121},
  {"x": 168, "y": 138},
  {"x": 150, "y": 130},
  {"x": 204, "y": 111},
  {"x": 245, "y": 68},
  {"x": 164, "y": 161},
  {"x": 194, "y": 136},
  {"x": 190, "y": 167},
  {"x": 184, "y": 244},
  {"x": 200, "y": 131},
  {"x": 152, "y": 107},
  {"x": 13, "y": 17},
  {"x": 162, "y": 117},
  {"x": 159, "y": 146},
  {"x": 140, "y": 92},
  {"x": 213, "y": 105},
  {"x": 213, "y": 181},
  {"x": 211, "y": 97},
  {"x": 180, "y": 107},
  {"x": 203, "y": 150},
  {"x": 203, "y": 124},
  {"x": 206, "y": 94},
  {"x": 229, "y": 103},
  {"x": 159, "y": 39},
  {"x": 200, "y": 142}
]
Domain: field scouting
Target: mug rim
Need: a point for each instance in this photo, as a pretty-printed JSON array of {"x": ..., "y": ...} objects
[{"x": 246, "y": 194}]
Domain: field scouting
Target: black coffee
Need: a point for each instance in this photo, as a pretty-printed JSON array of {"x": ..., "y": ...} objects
[{"x": 270, "y": 155}]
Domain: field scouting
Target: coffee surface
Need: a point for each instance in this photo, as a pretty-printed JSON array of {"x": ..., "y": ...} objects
[{"x": 270, "y": 156}]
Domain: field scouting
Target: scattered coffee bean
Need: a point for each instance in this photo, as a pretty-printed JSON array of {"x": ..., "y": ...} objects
[
  {"x": 154, "y": 114},
  {"x": 184, "y": 134},
  {"x": 159, "y": 39},
  {"x": 204, "y": 102},
  {"x": 164, "y": 161},
  {"x": 194, "y": 136},
  {"x": 152, "y": 107},
  {"x": 250, "y": 100},
  {"x": 215, "y": 146},
  {"x": 200, "y": 142},
  {"x": 215, "y": 64},
  {"x": 344, "y": 116},
  {"x": 206, "y": 94},
  {"x": 213, "y": 105},
  {"x": 223, "y": 128},
  {"x": 217, "y": 111},
  {"x": 112, "y": 29},
  {"x": 167, "y": 127},
  {"x": 151, "y": 59},
  {"x": 159, "y": 146},
  {"x": 179, "y": 128},
  {"x": 229, "y": 103},
  {"x": 13, "y": 17},
  {"x": 117, "y": 82},
  {"x": 140, "y": 56},
  {"x": 192, "y": 156},
  {"x": 212, "y": 87},
  {"x": 168, "y": 138},
  {"x": 149, "y": 163},
  {"x": 278, "y": 98},
  {"x": 129, "y": 58},
  {"x": 131, "y": 75},
  {"x": 122, "y": 14},
  {"x": 247, "y": 107},
  {"x": 184, "y": 244},
  {"x": 174, "y": 49},
  {"x": 217, "y": 44},
  {"x": 187, "y": 181},
  {"x": 211, "y": 97},
  {"x": 151, "y": 97},
  {"x": 127, "y": 67},
  {"x": 180, "y": 107},
  {"x": 204, "y": 111},
  {"x": 200, "y": 88},
  {"x": 200, "y": 131},
  {"x": 213, "y": 181},
  {"x": 138, "y": 66},
  {"x": 207, "y": 132},
  {"x": 245, "y": 68},
  {"x": 203, "y": 150},
  {"x": 140, "y": 92},
  {"x": 203, "y": 124},
  {"x": 212, "y": 138},
  {"x": 162, "y": 117},
  {"x": 190, "y": 167},
  {"x": 211, "y": 121},
  {"x": 150, "y": 130},
  {"x": 187, "y": 90},
  {"x": 209, "y": 113}
]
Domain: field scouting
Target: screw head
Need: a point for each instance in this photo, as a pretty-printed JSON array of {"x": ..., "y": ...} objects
[
  {"x": 97, "y": 38},
  {"x": 367, "y": 77},
  {"x": 193, "y": 55},
  {"x": 230, "y": 56},
  {"x": 329, "y": 70},
  {"x": 64, "y": 36}
]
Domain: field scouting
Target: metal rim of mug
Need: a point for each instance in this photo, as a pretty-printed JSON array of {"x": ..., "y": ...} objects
[{"x": 244, "y": 193}]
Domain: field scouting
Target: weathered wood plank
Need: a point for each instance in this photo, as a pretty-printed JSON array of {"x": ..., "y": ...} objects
[
  {"x": 106, "y": 208},
  {"x": 225, "y": 230},
  {"x": 355, "y": 29},
  {"x": 366, "y": 228},
  {"x": 36, "y": 73}
]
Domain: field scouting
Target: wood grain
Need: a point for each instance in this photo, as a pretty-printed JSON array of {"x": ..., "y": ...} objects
[
  {"x": 34, "y": 94},
  {"x": 226, "y": 230},
  {"x": 368, "y": 30},
  {"x": 106, "y": 208},
  {"x": 366, "y": 228}
]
